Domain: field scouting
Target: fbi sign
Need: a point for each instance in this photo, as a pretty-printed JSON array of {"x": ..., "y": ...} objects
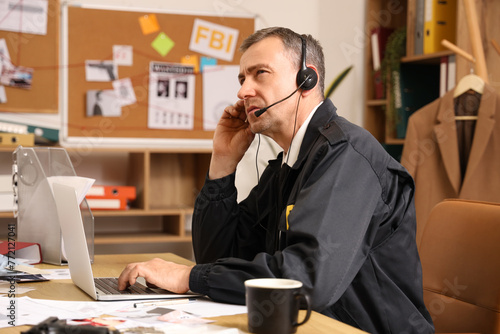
[{"x": 213, "y": 40}]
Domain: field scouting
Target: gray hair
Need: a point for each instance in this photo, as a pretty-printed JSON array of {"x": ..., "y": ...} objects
[{"x": 293, "y": 45}]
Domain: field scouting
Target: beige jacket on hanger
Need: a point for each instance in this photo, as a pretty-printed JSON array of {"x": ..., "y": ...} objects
[{"x": 431, "y": 156}]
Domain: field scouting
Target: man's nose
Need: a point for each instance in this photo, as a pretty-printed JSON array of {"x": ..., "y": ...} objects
[{"x": 246, "y": 90}]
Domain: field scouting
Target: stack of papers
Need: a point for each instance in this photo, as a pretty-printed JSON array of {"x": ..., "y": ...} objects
[{"x": 123, "y": 314}]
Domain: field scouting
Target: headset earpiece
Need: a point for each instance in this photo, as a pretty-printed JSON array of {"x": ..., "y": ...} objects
[{"x": 306, "y": 77}]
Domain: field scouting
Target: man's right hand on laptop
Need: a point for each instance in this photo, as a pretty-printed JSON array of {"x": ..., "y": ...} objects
[{"x": 160, "y": 273}]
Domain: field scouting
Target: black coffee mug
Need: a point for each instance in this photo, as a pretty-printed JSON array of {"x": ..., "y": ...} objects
[{"x": 273, "y": 305}]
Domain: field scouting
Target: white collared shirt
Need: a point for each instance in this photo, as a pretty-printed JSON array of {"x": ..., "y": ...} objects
[{"x": 293, "y": 152}]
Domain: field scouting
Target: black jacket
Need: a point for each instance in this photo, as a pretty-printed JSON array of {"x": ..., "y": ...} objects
[{"x": 348, "y": 236}]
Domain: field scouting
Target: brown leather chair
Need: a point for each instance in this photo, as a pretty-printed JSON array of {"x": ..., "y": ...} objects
[{"x": 460, "y": 254}]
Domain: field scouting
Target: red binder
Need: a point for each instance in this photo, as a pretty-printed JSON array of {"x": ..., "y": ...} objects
[
  {"x": 30, "y": 251},
  {"x": 379, "y": 37}
]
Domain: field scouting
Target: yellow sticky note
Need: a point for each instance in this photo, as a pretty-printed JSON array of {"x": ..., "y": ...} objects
[
  {"x": 191, "y": 60},
  {"x": 288, "y": 210},
  {"x": 149, "y": 24},
  {"x": 163, "y": 44}
]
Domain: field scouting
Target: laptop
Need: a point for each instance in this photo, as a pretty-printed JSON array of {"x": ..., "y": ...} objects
[{"x": 77, "y": 255}]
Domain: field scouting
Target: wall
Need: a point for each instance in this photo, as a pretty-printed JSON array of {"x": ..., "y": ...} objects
[{"x": 337, "y": 24}]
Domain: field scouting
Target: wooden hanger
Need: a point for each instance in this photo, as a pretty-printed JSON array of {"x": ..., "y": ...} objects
[{"x": 469, "y": 82}]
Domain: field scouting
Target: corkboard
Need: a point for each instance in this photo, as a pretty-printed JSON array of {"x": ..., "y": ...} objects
[
  {"x": 41, "y": 53},
  {"x": 91, "y": 34}
]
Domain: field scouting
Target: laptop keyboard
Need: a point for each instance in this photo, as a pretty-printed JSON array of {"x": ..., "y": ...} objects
[{"x": 109, "y": 285}]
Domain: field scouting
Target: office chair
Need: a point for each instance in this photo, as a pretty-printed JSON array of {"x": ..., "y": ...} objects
[{"x": 460, "y": 254}]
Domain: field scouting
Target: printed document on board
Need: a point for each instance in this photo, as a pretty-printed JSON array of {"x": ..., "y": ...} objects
[{"x": 27, "y": 16}]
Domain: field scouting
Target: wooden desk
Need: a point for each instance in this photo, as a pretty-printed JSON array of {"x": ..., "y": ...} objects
[{"x": 112, "y": 265}]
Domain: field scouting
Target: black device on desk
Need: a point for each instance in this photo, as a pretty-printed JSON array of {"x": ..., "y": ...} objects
[{"x": 53, "y": 325}]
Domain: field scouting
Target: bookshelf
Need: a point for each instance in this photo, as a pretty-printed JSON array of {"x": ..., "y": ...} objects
[
  {"x": 375, "y": 115},
  {"x": 395, "y": 14},
  {"x": 167, "y": 182}
]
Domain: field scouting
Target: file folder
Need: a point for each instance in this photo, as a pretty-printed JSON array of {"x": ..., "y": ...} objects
[{"x": 440, "y": 23}]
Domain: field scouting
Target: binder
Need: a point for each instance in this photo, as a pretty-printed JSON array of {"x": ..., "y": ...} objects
[
  {"x": 440, "y": 23},
  {"x": 107, "y": 203},
  {"x": 16, "y": 139},
  {"x": 379, "y": 91},
  {"x": 6, "y": 193},
  {"x": 443, "y": 75},
  {"x": 6, "y": 201},
  {"x": 42, "y": 134},
  {"x": 419, "y": 27},
  {"x": 98, "y": 191},
  {"x": 29, "y": 251},
  {"x": 452, "y": 72},
  {"x": 379, "y": 37},
  {"x": 413, "y": 97},
  {"x": 110, "y": 197},
  {"x": 37, "y": 217}
]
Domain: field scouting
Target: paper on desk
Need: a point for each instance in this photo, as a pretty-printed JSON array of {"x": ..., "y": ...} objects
[
  {"x": 30, "y": 270},
  {"x": 53, "y": 274},
  {"x": 208, "y": 309},
  {"x": 202, "y": 307},
  {"x": 80, "y": 184},
  {"x": 132, "y": 327},
  {"x": 31, "y": 311}
]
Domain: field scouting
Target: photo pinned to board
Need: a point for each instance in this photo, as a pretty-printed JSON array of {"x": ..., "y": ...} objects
[
  {"x": 103, "y": 102},
  {"x": 16, "y": 76},
  {"x": 124, "y": 92},
  {"x": 101, "y": 70}
]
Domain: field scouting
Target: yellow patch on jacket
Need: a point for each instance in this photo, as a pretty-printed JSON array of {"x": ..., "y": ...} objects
[{"x": 288, "y": 210}]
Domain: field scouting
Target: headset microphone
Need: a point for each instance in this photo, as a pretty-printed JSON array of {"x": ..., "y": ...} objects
[{"x": 306, "y": 79}]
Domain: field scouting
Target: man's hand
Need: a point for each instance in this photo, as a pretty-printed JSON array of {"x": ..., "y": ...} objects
[
  {"x": 160, "y": 273},
  {"x": 232, "y": 138}
]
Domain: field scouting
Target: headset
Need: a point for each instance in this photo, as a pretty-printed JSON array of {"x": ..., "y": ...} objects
[{"x": 307, "y": 78}]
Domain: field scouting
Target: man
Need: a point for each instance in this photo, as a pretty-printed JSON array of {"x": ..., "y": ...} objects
[
  {"x": 334, "y": 210},
  {"x": 97, "y": 110}
]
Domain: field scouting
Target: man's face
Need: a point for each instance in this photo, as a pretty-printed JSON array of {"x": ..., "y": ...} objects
[{"x": 267, "y": 75}]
